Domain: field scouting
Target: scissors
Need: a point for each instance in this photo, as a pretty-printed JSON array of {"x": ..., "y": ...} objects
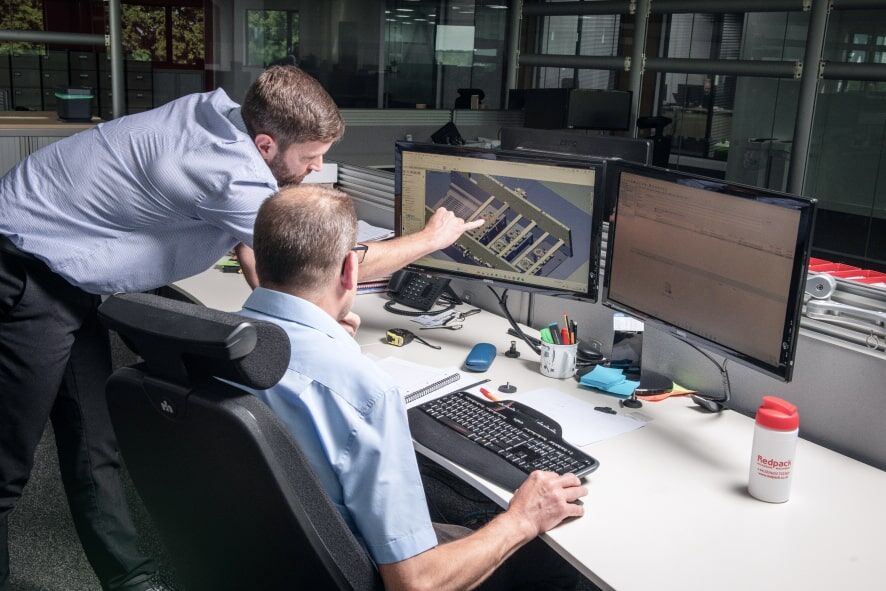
[{"x": 460, "y": 317}]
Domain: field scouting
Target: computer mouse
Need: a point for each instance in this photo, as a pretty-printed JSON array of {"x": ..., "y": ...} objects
[{"x": 480, "y": 357}]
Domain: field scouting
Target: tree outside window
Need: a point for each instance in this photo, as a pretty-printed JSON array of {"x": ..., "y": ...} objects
[
  {"x": 271, "y": 35},
  {"x": 21, "y": 15},
  {"x": 164, "y": 35}
]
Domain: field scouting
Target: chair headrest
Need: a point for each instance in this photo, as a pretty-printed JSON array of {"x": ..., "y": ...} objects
[{"x": 188, "y": 344}]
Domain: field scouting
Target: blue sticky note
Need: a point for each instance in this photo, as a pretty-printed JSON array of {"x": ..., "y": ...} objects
[{"x": 603, "y": 377}]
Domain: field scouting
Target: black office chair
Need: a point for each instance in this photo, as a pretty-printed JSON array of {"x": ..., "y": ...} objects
[{"x": 232, "y": 496}]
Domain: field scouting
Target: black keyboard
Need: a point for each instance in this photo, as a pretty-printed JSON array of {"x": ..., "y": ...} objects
[{"x": 501, "y": 441}]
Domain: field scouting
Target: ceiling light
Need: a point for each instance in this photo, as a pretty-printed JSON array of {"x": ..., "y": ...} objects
[{"x": 405, "y": 10}]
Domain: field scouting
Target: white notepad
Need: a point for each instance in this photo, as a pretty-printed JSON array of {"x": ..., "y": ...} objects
[{"x": 416, "y": 380}]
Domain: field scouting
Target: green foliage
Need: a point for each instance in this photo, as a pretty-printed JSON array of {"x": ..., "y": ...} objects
[
  {"x": 187, "y": 35},
  {"x": 21, "y": 15},
  {"x": 270, "y": 35},
  {"x": 144, "y": 32}
]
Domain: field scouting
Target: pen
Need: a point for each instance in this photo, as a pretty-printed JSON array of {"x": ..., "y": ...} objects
[
  {"x": 468, "y": 387},
  {"x": 488, "y": 394},
  {"x": 564, "y": 336}
]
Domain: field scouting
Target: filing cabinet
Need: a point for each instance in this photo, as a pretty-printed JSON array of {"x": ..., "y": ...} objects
[
  {"x": 30, "y": 81},
  {"x": 24, "y": 74}
]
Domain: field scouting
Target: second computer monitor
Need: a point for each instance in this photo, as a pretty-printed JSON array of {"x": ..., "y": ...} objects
[
  {"x": 570, "y": 142},
  {"x": 542, "y": 216},
  {"x": 710, "y": 261}
]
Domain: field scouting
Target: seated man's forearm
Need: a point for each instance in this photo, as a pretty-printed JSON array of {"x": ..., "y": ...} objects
[{"x": 461, "y": 564}]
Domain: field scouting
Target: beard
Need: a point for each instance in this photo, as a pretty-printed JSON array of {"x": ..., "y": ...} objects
[{"x": 281, "y": 172}]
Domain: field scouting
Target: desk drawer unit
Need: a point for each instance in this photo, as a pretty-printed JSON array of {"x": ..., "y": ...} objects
[
  {"x": 138, "y": 81},
  {"x": 25, "y": 61},
  {"x": 54, "y": 60},
  {"x": 136, "y": 99},
  {"x": 83, "y": 60},
  {"x": 26, "y": 78},
  {"x": 27, "y": 98},
  {"x": 83, "y": 78},
  {"x": 53, "y": 78}
]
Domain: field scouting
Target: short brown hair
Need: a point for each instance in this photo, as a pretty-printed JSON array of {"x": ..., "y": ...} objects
[
  {"x": 291, "y": 107},
  {"x": 302, "y": 235}
]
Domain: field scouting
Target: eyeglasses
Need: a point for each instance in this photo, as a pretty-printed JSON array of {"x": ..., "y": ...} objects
[{"x": 360, "y": 249}]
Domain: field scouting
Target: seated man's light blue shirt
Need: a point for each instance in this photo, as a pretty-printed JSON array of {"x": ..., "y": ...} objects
[
  {"x": 140, "y": 201},
  {"x": 350, "y": 421}
]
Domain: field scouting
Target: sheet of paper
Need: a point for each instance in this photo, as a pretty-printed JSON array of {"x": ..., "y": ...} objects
[
  {"x": 368, "y": 232},
  {"x": 581, "y": 424}
]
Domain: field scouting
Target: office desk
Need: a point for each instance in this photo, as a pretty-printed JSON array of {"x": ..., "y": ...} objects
[{"x": 668, "y": 507}]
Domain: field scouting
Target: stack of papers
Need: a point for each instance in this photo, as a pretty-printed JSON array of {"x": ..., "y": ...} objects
[
  {"x": 609, "y": 380},
  {"x": 368, "y": 232}
]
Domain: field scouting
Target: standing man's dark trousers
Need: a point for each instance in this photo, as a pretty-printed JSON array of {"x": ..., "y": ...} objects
[{"x": 54, "y": 360}]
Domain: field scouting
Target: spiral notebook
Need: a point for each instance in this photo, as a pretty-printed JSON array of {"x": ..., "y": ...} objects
[{"x": 417, "y": 381}]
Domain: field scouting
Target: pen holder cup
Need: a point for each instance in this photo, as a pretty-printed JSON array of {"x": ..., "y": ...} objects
[{"x": 558, "y": 361}]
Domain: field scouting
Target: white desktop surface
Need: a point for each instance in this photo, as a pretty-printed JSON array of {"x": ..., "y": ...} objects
[{"x": 668, "y": 508}]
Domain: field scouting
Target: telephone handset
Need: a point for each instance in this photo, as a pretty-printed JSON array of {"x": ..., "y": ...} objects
[{"x": 418, "y": 290}]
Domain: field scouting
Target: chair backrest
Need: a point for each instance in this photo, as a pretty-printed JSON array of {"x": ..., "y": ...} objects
[{"x": 235, "y": 501}]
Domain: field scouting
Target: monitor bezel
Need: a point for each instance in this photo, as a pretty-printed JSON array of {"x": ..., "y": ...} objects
[
  {"x": 791, "y": 328},
  {"x": 536, "y": 141},
  {"x": 596, "y": 164}
]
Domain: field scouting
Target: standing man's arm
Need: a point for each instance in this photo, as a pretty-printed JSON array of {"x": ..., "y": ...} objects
[
  {"x": 246, "y": 256},
  {"x": 443, "y": 228},
  {"x": 543, "y": 501}
]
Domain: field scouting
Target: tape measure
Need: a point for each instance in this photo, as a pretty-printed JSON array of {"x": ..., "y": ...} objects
[{"x": 400, "y": 337}]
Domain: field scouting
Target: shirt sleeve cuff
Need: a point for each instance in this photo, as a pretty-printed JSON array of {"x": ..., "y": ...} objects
[{"x": 404, "y": 547}]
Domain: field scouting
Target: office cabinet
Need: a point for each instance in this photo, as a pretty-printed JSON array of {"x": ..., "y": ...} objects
[
  {"x": 55, "y": 60},
  {"x": 53, "y": 78},
  {"x": 26, "y": 78},
  {"x": 82, "y": 60}
]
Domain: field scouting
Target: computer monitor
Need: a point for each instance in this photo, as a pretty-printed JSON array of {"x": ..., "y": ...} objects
[
  {"x": 543, "y": 216},
  {"x": 577, "y": 108},
  {"x": 710, "y": 261},
  {"x": 569, "y": 142}
]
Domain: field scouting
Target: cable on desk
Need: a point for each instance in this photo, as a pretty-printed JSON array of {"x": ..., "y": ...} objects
[
  {"x": 503, "y": 302},
  {"x": 721, "y": 402}
]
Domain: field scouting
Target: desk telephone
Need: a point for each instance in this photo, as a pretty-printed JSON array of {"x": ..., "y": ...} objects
[{"x": 417, "y": 290}]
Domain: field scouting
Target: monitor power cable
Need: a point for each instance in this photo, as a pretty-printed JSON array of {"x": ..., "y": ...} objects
[
  {"x": 706, "y": 401},
  {"x": 518, "y": 332}
]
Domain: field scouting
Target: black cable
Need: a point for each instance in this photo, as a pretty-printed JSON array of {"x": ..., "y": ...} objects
[
  {"x": 503, "y": 302},
  {"x": 389, "y": 306},
  {"x": 724, "y": 377}
]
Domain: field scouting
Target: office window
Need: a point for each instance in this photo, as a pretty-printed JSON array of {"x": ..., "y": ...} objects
[
  {"x": 271, "y": 35},
  {"x": 170, "y": 35},
  {"x": 847, "y": 155},
  {"x": 577, "y": 35},
  {"x": 432, "y": 49},
  {"x": 21, "y": 15}
]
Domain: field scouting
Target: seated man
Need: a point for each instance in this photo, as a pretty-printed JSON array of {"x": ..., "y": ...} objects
[{"x": 350, "y": 420}]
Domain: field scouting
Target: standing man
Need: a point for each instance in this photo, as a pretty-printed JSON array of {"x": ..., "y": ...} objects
[
  {"x": 350, "y": 420},
  {"x": 131, "y": 205}
]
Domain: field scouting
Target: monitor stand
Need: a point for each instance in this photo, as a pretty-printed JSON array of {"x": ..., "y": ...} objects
[{"x": 627, "y": 353}]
